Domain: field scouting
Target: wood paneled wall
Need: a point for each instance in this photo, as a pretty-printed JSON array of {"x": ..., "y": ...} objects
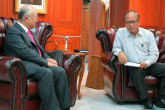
[
  {"x": 64, "y": 15},
  {"x": 152, "y": 12},
  {"x": 118, "y": 9},
  {"x": 85, "y": 26}
]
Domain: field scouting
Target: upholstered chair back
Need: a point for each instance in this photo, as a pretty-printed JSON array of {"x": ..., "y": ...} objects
[
  {"x": 42, "y": 30},
  {"x": 106, "y": 41},
  {"x": 5, "y": 23}
]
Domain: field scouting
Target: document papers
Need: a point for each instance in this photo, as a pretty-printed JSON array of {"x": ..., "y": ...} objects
[{"x": 132, "y": 64}]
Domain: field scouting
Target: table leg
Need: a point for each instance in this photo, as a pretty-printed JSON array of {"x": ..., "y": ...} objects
[{"x": 81, "y": 74}]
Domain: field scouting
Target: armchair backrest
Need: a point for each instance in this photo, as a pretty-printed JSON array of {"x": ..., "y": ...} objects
[
  {"x": 42, "y": 30},
  {"x": 160, "y": 39},
  {"x": 106, "y": 36},
  {"x": 5, "y": 23}
]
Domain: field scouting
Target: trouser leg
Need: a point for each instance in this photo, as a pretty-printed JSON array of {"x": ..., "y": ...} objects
[
  {"x": 162, "y": 86},
  {"x": 138, "y": 75},
  {"x": 61, "y": 87},
  {"x": 158, "y": 70},
  {"x": 46, "y": 89}
]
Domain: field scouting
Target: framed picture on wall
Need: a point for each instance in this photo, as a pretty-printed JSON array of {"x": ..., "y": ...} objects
[{"x": 39, "y": 5}]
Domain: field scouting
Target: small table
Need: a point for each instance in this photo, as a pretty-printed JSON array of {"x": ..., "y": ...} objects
[
  {"x": 95, "y": 74},
  {"x": 81, "y": 73}
]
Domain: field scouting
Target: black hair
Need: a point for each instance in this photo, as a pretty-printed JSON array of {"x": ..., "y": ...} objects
[{"x": 21, "y": 14}]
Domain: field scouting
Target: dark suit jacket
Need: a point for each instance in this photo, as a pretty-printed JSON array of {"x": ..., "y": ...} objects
[{"x": 18, "y": 44}]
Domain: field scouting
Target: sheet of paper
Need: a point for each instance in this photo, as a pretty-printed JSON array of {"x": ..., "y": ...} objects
[{"x": 132, "y": 64}]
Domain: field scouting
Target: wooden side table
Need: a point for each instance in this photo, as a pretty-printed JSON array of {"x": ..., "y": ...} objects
[
  {"x": 95, "y": 73},
  {"x": 81, "y": 73}
]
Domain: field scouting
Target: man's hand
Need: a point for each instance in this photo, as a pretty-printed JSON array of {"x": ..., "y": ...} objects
[
  {"x": 122, "y": 57},
  {"x": 142, "y": 65},
  {"x": 51, "y": 62}
]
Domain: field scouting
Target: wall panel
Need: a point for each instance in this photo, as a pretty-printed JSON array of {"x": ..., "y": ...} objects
[
  {"x": 68, "y": 16},
  {"x": 118, "y": 9},
  {"x": 161, "y": 21},
  {"x": 4, "y": 11},
  {"x": 149, "y": 12},
  {"x": 68, "y": 23}
]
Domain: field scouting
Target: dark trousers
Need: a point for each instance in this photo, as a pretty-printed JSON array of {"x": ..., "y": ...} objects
[
  {"x": 138, "y": 75},
  {"x": 53, "y": 88}
]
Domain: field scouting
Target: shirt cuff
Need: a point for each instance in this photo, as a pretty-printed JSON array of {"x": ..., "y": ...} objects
[
  {"x": 117, "y": 52},
  {"x": 148, "y": 63}
]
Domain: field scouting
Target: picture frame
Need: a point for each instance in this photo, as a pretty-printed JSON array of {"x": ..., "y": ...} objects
[{"x": 39, "y": 5}]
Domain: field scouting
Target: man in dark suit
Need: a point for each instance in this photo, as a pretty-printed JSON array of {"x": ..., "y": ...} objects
[{"x": 52, "y": 80}]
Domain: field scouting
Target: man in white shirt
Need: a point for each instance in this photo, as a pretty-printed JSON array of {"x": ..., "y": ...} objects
[{"x": 138, "y": 45}]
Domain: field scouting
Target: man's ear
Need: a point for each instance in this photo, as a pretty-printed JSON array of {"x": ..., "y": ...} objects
[
  {"x": 139, "y": 21},
  {"x": 25, "y": 18}
]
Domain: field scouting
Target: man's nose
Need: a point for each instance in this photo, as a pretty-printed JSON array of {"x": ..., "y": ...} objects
[{"x": 131, "y": 23}]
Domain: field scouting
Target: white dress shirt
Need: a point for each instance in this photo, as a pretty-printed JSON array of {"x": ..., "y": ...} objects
[{"x": 142, "y": 48}]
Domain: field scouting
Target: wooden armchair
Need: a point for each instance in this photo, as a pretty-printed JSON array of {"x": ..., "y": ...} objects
[{"x": 17, "y": 91}]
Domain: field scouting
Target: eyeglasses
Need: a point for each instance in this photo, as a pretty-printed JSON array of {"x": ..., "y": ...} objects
[{"x": 133, "y": 22}]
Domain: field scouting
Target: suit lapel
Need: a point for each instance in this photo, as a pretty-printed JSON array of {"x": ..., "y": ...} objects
[
  {"x": 35, "y": 39},
  {"x": 25, "y": 34},
  {"x": 37, "y": 42}
]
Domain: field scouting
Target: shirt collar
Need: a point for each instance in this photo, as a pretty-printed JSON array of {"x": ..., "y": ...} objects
[
  {"x": 140, "y": 33},
  {"x": 25, "y": 28},
  {"x": 127, "y": 33}
]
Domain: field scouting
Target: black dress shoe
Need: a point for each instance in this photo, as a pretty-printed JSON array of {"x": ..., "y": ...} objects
[
  {"x": 160, "y": 103},
  {"x": 148, "y": 103}
]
